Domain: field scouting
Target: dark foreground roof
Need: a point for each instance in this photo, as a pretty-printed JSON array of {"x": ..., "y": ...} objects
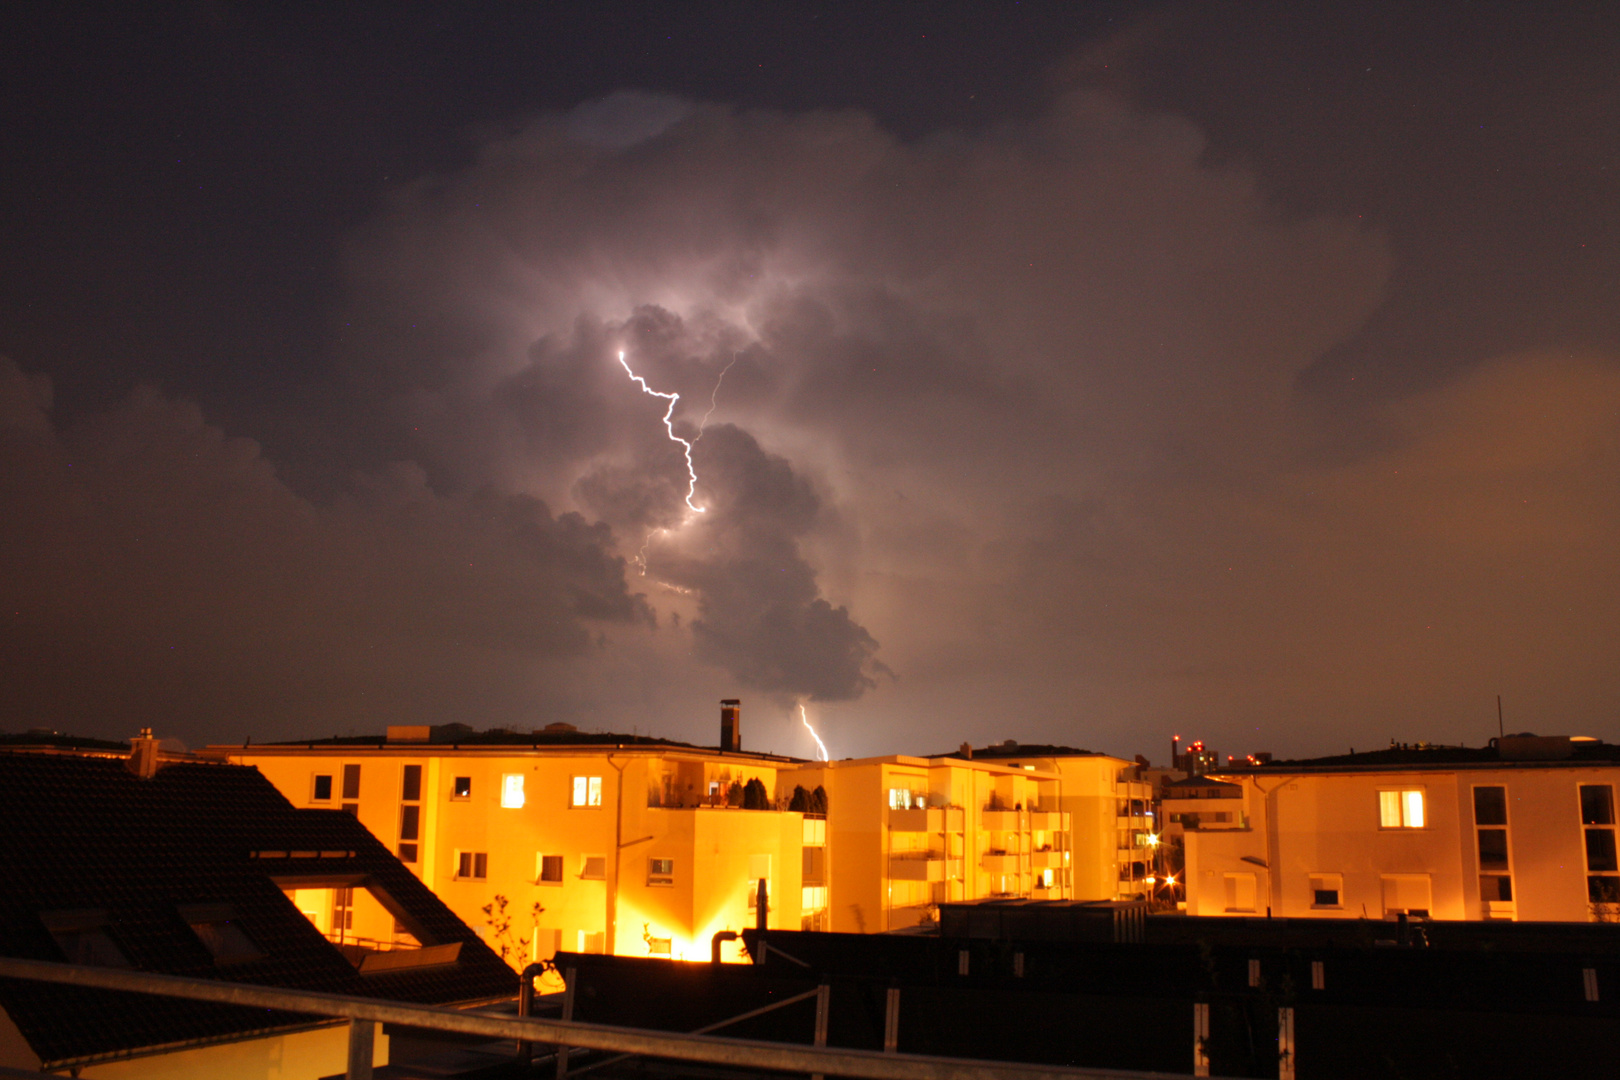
[{"x": 83, "y": 834}]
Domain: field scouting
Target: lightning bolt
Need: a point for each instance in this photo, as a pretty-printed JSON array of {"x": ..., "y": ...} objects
[
  {"x": 669, "y": 426},
  {"x": 714, "y": 398},
  {"x": 805, "y": 720}
]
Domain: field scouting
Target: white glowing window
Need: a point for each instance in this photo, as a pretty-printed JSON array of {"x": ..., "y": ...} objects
[
  {"x": 902, "y": 799},
  {"x": 512, "y": 791},
  {"x": 587, "y": 791},
  {"x": 1401, "y": 809}
]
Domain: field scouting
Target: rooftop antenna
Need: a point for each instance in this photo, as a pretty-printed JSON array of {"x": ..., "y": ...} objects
[{"x": 1500, "y": 734}]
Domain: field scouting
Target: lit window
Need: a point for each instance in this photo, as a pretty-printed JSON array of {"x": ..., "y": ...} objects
[
  {"x": 323, "y": 789},
  {"x": 587, "y": 791},
  {"x": 511, "y": 791},
  {"x": 594, "y": 868},
  {"x": 462, "y": 788},
  {"x": 660, "y": 871},
  {"x": 899, "y": 799},
  {"x": 1401, "y": 809},
  {"x": 472, "y": 865},
  {"x": 549, "y": 870}
]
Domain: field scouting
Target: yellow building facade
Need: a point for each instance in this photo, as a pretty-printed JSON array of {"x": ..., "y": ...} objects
[
  {"x": 1524, "y": 830},
  {"x": 904, "y": 834},
  {"x": 553, "y": 842}
]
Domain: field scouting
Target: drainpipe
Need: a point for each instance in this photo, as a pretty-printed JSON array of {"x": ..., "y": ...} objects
[
  {"x": 612, "y": 943},
  {"x": 525, "y": 1049}
]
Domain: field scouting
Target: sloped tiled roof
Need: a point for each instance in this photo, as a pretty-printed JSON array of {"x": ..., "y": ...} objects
[{"x": 85, "y": 833}]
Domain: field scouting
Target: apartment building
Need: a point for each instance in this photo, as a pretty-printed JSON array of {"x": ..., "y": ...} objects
[
  {"x": 1521, "y": 829},
  {"x": 904, "y": 834},
  {"x": 1114, "y": 820},
  {"x": 564, "y": 840}
]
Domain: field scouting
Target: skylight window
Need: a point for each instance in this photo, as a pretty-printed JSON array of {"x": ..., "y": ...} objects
[
  {"x": 220, "y": 933},
  {"x": 82, "y": 937}
]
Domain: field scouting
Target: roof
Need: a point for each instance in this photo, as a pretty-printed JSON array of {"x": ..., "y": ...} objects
[
  {"x": 1011, "y": 749},
  {"x": 1513, "y": 751},
  {"x": 84, "y": 834},
  {"x": 1197, "y": 783},
  {"x": 43, "y": 739},
  {"x": 461, "y": 737}
]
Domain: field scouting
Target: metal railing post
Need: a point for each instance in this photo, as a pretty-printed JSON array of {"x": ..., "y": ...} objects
[
  {"x": 571, "y": 981},
  {"x": 823, "y": 1001},
  {"x": 891, "y": 1021},
  {"x": 362, "y": 1047}
]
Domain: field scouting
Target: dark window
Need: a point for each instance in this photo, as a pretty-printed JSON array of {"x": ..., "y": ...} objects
[
  {"x": 1490, "y": 806},
  {"x": 1603, "y": 890},
  {"x": 351, "y": 781},
  {"x": 1495, "y": 887},
  {"x": 551, "y": 868},
  {"x": 1600, "y": 853},
  {"x": 1493, "y": 849},
  {"x": 473, "y": 865},
  {"x": 411, "y": 790},
  {"x": 463, "y": 788},
  {"x": 217, "y": 928},
  {"x": 226, "y": 941},
  {"x": 660, "y": 871},
  {"x": 83, "y": 939},
  {"x": 410, "y": 822},
  {"x": 1597, "y": 804},
  {"x": 1327, "y": 897},
  {"x": 407, "y": 853},
  {"x": 323, "y": 788}
]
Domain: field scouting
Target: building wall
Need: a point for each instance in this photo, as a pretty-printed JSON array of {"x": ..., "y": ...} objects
[
  {"x": 300, "y": 1055},
  {"x": 606, "y": 898},
  {"x": 1328, "y": 827},
  {"x": 970, "y": 830}
]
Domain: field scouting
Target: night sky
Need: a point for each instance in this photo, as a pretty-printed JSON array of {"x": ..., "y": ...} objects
[{"x": 1083, "y": 373}]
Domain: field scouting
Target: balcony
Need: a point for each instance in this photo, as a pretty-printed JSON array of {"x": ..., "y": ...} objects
[
  {"x": 1049, "y": 821},
  {"x": 815, "y": 832},
  {"x": 1001, "y": 863},
  {"x": 918, "y": 819},
  {"x": 1042, "y": 860},
  {"x": 1001, "y": 820},
  {"x": 921, "y": 866}
]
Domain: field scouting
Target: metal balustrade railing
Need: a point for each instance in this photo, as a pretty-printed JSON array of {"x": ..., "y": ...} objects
[{"x": 364, "y": 1014}]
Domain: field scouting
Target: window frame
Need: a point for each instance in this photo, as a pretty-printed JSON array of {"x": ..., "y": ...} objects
[
  {"x": 1320, "y": 883},
  {"x": 585, "y": 868},
  {"x": 513, "y": 791},
  {"x": 474, "y": 863},
  {"x": 1403, "y": 806},
  {"x": 315, "y": 795},
  {"x": 591, "y": 792},
  {"x": 660, "y": 871},
  {"x": 456, "y": 792},
  {"x": 540, "y": 860}
]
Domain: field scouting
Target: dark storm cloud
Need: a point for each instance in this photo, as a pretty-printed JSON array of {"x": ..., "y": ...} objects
[
  {"x": 1044, "y": 407},
  {"x": 159, "y": 567}
]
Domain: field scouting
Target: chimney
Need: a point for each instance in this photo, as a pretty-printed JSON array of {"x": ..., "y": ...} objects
[
  {"x": 1175, "y": 751},
  {"x": 731, "y": 725},
  {"x": 143, "y": 755},
  {"x": 966, "y": 750}
]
